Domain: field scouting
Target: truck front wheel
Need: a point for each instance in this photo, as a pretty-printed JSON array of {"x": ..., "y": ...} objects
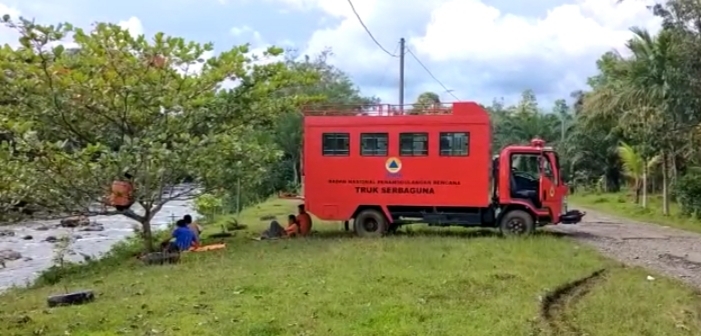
[
  {"x": 516, "y": 223},
  {"x": 370, "y": 223}
]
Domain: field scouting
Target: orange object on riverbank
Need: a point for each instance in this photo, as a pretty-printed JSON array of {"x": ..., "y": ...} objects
[
  {"x": 121, "y": 196},
  {"x": 211, "y": 247}
]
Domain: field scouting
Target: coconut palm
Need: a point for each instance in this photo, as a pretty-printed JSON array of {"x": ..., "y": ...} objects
[
  {"x": 637, "y": 93},
  {"x": 637, "y": 170}
]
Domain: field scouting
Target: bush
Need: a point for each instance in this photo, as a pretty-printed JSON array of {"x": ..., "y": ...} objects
[
  {"x": 687, "y": 191},
  {"x": 122, "y": 252},
  {"x": 208, "y": 206}
]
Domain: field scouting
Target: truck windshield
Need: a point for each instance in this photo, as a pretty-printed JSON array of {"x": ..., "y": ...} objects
[{"x": 525, "y": 165}]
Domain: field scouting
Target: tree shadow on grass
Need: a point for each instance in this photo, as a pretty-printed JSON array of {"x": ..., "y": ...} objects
[{"x": 462, "y": 234}]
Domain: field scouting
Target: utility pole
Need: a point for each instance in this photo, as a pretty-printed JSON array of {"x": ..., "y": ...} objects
[{"x": 401, "y": 74}]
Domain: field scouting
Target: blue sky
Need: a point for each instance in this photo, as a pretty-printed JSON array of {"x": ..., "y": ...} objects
[{"x": 479, "y": 50}]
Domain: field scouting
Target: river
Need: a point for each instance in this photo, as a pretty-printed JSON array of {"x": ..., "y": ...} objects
[{"x": 37, "y": 253}]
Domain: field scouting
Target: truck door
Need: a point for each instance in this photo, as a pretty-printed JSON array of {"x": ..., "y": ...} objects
[{"x": 549, "y": 184}]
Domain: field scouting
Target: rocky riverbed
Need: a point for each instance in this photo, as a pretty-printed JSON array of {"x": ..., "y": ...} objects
[{"x": 28, "y": 248}]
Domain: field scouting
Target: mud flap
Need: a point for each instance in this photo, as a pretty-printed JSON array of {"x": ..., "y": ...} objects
[{"x": 572, "y": 217}]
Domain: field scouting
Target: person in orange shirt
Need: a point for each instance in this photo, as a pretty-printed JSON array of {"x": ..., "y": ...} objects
[
  {"x": 122, "y": 197},
  {"x": 292, "y": 229},
  {"x": 276, "y": 231},
  {"x": 304, "y": 221}
]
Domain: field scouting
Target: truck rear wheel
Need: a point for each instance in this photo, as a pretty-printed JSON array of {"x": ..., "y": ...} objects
[
  {"x": 370, "y": 223},
  {"x": 516, "y": 223}
]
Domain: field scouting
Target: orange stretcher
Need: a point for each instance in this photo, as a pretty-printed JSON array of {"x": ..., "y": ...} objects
[{"x": 210, "y": 247}]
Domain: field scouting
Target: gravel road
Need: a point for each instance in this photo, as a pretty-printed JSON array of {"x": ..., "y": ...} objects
[{"x": 670, "y": 251}]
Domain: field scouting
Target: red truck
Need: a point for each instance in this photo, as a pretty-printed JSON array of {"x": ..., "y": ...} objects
[{"x": 383, "y": 169}]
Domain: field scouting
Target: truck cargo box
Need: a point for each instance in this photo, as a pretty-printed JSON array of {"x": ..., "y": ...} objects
[{"x": 387, "y": 158}]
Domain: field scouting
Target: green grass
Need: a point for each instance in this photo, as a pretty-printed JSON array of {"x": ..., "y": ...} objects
[
  {"x": 623, "y": 205},
  {"x": 448, "y": 282}
]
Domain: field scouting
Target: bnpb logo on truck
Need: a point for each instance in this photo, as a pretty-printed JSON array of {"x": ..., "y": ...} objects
[{"x": 393, "y": 166}]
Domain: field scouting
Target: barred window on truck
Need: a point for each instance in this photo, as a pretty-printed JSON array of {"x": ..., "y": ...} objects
[
  {"x": 373, "y": 144},
  {"x": 455, "y": 144},
  {"x": 335, "y": 144},
  {"x": 413, "y": 144}
]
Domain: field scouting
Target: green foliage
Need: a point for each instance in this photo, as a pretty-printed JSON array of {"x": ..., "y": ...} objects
[
  {"x": 647, "y": 98},
  {"x": 123, "y": 252},
  {"x": 208, "y": 205},
  {"x": 687, "y": 190},
  {"x": 78, "y": 119},
  {"x": 73, "y": 120}
]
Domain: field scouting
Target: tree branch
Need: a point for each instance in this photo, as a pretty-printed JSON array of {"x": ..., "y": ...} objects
[
  {"x": 127, "y": 213},
  {"x": 177, "y": 196}
]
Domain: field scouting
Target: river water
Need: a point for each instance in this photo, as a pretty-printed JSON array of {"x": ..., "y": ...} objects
[{"x": 37, "y": 254}]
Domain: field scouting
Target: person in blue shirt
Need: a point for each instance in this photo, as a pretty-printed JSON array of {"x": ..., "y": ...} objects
[{"x": 184, "y": 237}]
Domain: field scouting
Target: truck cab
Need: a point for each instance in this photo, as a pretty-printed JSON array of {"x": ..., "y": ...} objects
[{"x": 528, "y": 178}]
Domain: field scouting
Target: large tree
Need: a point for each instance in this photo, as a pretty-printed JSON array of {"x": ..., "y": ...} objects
[
  {"x": 130, "y": 104},
  {"x": 334, "y": 91}
]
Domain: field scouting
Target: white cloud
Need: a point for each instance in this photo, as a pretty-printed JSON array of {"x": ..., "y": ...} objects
[
  {"x": 467, "y": 43},
  {"x": 195, "y": 68},
  {"x": 471, "y": 30},
  {"x": 12, "y": 11},
  {"x": 133, "y": 25},
  {"x": 239, "y": 31},
  {"x": 7, "y": 35},
  {"x": 258, "y": 44},
  {"x": 248, "y": 33}
]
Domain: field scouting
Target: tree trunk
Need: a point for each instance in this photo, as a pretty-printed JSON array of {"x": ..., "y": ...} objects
[
  {"x": 295, "y": 171},
  {"x": 665, "y": 191},
  {"x": 644, "y": 201},
  {"x": 146, "y": 229},
  {"x": 637, "y": 192},
  {"x": 147, "y": 234}
]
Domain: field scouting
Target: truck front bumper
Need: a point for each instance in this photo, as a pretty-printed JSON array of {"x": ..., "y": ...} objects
[{"x": 572, "y": 217}]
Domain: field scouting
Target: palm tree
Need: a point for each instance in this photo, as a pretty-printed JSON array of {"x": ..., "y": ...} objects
[
  {"x": 521, "y": 123},
  {"x": 637, "y": 93},
  {"x": 637, "y": 170}
]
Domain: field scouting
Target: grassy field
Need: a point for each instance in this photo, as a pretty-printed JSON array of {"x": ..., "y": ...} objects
[
  {"x": 623, "y": 205},
  {"x": 448, "y": 282}
]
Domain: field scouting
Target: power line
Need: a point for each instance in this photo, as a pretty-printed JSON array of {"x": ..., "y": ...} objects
[
  {"x": 368, "y": 30},
  {"x": 430, "y": 73},
  {"x": 384, "y": 74}
]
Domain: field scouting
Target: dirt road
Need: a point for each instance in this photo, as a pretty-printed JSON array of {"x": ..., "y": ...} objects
[{"x": 670, "y": 251}]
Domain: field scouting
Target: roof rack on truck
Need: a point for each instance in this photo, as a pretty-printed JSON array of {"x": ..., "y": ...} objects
[{"x": 378, "y": 110}]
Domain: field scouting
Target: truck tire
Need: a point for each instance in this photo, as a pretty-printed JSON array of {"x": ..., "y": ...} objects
[
  {"x": 370, "y": 223},
  {"x": 516, "y": 223}
]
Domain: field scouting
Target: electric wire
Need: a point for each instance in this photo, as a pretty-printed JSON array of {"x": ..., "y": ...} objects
[
  {"x": 408, "y": 51},
  {"x": 367, "y": 30},
  {"x": 384, "y": 74}
]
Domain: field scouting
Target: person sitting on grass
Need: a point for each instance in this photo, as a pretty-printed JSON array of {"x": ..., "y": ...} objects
[
  {"x": 304, "y": 221},
  {"x": 292, "y": 229},
  {"x": 276, "y": 230},
  {"x": 196, "y": 228},
  {"x": 184, "y": 238}
]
